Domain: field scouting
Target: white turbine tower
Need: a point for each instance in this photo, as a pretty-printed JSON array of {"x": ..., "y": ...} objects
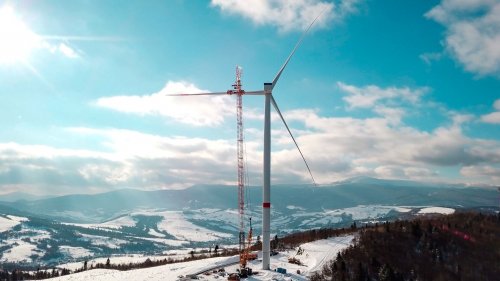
[
  {"x": 266, "y": 194},
  {"x": 269, "y": 99}
]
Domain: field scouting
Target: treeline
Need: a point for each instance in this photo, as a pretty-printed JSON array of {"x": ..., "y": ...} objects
[
  {"x": 18, "y": 274},
  {"x": 204, "y": 254},
  {"x": 295, "y": 239},
  {"x": 292, "y": 241},
  {"x": 462, "y": 246}
]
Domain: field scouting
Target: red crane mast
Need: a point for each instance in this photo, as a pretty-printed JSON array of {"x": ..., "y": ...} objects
[{"x": 239, "y": 92}]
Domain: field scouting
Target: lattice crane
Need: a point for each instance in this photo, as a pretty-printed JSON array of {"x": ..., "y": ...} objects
[{"x": 243, "y": 247}]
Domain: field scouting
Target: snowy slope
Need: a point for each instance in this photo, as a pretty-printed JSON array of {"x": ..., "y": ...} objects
[
  {"x": 7, "y": 222},
  {"x": 437, "y": 210},
  {"x": 165, "y": 272},
  {"x": 175, "y": 223},
  {"x": 113, "y": 224},
  {"x": 315, "y": 254},
  {"x": 20, "y": 251}
]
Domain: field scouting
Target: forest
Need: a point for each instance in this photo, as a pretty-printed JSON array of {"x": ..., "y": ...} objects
[{"x": 461, "y": 246}]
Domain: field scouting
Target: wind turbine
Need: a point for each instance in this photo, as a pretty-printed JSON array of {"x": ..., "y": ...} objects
[
  {"x": 269, "y": 99},
  {"x": 266, "y": 194}
]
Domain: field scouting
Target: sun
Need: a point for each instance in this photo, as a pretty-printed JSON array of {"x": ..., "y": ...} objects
[{"x": 16, "y": 39}]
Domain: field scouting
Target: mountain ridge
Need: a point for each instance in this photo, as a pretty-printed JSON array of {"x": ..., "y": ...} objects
[{"x": 94, "y": 208}]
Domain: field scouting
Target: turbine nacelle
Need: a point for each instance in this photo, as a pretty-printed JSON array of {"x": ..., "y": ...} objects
[{"x": 268, "y": 88}]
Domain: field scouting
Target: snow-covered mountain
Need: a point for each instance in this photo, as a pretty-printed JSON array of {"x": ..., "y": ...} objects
[{"x": 75, "y": 227}]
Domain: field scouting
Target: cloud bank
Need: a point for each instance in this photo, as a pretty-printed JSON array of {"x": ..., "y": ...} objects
[
  {"x": 198, "y": 111},
  {"x": 381, "y": 144},
  {"x": 472, "y": 33},
  {"x": 494, "y": 117},
  {"x": 288, "y": 15}
]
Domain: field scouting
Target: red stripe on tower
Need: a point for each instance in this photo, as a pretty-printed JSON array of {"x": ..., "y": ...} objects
[{"x": 266, "y": 205}]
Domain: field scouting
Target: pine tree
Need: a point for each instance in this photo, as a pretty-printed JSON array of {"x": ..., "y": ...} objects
[
  {"x": 386, "y": 273},
  {"x": 274, "y": 243}
]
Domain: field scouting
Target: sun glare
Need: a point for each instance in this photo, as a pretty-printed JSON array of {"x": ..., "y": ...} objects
[{"x": 16, "y": 39}]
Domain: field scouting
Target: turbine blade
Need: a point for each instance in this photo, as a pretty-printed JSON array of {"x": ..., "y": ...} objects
[
  {"x": 255, "y": 93},
  {"x": 293, "y": 51},
  {"x": 197, "y": 94},
  {"x": 288, "y": 129}
]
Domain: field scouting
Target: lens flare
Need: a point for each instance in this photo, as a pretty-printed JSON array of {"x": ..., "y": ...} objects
[{"x": 16, "y": 39}]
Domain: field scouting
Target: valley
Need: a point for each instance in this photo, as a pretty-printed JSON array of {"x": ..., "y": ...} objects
[{"x": 32, "y": 234}]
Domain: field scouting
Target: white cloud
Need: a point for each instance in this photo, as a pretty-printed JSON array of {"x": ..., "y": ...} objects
[
  {"x": 481, "y": 171},
  {"x": 472, "y": 33},
  {"x": 399, "y": 172},
  {"x": 420, "y": 173},
  {"x": 68, "y": 51},
  {"x": 494, "y": 117},
  {"x": 428, "y": 58},
  {"x": 389, "y": 172},
  {"x": 131, "y": 159},
  {"x": 335, "y": 147},
  {"x": 340, "y": 147},
  {"x": 392, "y": 114},
  {"x": 459, "y": 119},
  {"x": 124, "y": 143},
  {"x": 195, "y": 110},
  {"x": 60, "y": 48},
  {"x": 44, "y": 151},
  {"x": 288, "y": 15},
  {"x": 369, "y": 96}
]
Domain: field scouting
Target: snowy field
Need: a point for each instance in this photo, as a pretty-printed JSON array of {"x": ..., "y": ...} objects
[
  {"x": 20, "y": 251},
  {"x": 8, "y": 222},
  {"x": 75, "y": 252},
  {"x": 313, "y": 257},
  {"x": 357, "y": 213},
  {"x": 174, "y": 223},
  {"x": 436, "y": 210},
  {"x": 113, "y": 224}
]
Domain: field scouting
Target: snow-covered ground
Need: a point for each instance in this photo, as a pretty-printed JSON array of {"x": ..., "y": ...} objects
[
  {"x": 112, "y": 243},
  {"x": 357, "y": 213},
  {"x": 165, "y": 272},
  {"x": 437, "y": 210},
  {"x": 171, "y": 242},
  {"x": 126, "y": 259},
  {"x": 176, "y": 224},
  {"x": 313, "y": 257},
  {"x": 8, "y": 222},
  {"x": 21, "y": 251},
  {"x": 75, "y": 252},
  {"x": 113, "y": 224}
]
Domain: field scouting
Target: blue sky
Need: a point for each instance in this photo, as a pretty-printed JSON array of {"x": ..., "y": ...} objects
[{"x": 389, "y": 89}]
